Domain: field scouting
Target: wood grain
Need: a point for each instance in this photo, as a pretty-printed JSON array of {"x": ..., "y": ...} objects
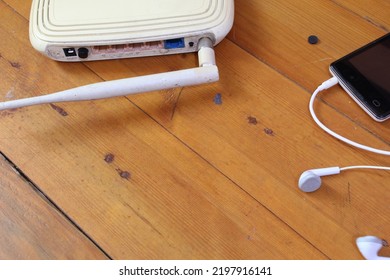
[
  {"x": 278, "y": 36},
  {"x": 375, "y": 12},
  {"x": 173, "y": 175},
  {"x": 31, "y": 226}
]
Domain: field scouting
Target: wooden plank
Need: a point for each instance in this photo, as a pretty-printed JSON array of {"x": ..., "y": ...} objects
[
  {"x": 31, "y": 228},
  {"x": 278, "y": 36},
  {"x": 132, "y": 186},
  {"x": 264, "y": 150},
  {"x": 203, "y": 178},
  {"x": 282, "y": 144},
  {"x": 376, "y": 12}
]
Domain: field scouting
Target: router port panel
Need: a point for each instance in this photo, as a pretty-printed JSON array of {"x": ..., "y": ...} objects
[{"x": 125, "y": 50}]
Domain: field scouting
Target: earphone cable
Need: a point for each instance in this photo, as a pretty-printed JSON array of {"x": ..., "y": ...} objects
[
  {"x": 365, "y": 167},
  {"x": 327, "y": 84}
]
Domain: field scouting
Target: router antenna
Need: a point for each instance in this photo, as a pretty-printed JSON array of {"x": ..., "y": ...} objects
[{"x": 207, "y": 72}]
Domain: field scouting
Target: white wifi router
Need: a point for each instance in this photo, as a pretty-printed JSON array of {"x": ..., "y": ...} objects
[{"x": 85, "y": 30}]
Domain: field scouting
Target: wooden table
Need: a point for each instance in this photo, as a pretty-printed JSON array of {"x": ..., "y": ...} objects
[{"x": 172, "y": 174}]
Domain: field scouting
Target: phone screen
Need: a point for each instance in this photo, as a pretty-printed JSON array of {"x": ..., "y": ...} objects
[{"x": 365, "y": 74}]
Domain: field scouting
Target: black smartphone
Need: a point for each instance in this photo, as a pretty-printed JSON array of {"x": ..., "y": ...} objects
[{"x": 365, "y": 76}]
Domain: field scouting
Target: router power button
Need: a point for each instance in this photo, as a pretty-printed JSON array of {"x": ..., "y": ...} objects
[{"x": 83, "y": 52}]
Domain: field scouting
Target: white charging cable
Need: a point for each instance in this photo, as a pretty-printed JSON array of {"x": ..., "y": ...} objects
[{"x": 325, "y": 85}]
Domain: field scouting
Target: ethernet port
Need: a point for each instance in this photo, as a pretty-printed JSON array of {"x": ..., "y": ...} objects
[{"x": 174, "y": 43}]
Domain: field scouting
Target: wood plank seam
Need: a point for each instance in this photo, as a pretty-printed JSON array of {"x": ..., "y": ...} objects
[
  {"x": 198, "y": 151},
  {"x": 269, "y": 65},
  {"x": 51, "y": 203},
  {"x": 367, "y": 18}
]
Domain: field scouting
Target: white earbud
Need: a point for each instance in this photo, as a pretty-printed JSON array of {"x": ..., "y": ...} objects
[
  {"x": 310, "y": 180},
  {"x": 369, "y": 247}
]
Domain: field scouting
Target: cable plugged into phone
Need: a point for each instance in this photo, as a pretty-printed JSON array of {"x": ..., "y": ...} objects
[
  {"x": 324, "y": 86},
  {"x": 207, "y": 72},
  {"x": 327, "y": 84}
]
